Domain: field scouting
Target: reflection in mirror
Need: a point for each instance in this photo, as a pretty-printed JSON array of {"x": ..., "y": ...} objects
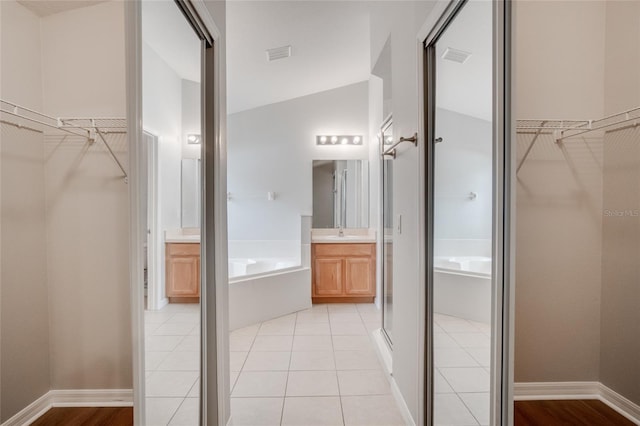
[
  {"x": 190, "y": 193},
  {"x": 340, "y": 194},
  {"x": 463, "y": 211}
]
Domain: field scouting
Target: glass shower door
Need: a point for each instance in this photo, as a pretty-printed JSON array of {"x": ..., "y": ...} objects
[{"x": 386, "y": 139}]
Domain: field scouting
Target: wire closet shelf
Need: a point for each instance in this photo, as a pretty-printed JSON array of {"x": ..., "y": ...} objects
[
  {"x": 90, "y": 128},
  {"x": 566, "y": 129}
]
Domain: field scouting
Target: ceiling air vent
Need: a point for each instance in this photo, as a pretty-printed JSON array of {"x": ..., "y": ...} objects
[
  {"x": 278, "y": 53},
  {"x": 455, "y": 55}
]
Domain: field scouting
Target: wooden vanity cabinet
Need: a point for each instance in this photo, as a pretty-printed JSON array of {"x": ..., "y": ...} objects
[
  {"x": 343, "y": 272},
  {"x": 183, "y": 272}
]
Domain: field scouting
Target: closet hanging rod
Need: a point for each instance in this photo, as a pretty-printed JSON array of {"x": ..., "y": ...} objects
[
  {"x": 593, "y": 125},
  {"x": 42, "y": 123},
  {"x": 66, "y": 125}
]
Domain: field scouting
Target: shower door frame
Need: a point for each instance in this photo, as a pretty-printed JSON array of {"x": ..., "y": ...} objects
[
  {"x": 214, "y": 371},
  {"x": 503, "y": 235}
]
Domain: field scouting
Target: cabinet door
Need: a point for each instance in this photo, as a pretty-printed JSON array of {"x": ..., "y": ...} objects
[
  {"x": 327, "y": 277},
  {"x": 359, "y": 276},
  {"x": 183, "y": 276}
]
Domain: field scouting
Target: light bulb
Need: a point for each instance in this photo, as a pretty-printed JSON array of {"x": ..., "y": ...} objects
[
  {"x": 323, "y": 139},
  {"x": 356, "y": 140},
  {"x": 334, "y": 139}
]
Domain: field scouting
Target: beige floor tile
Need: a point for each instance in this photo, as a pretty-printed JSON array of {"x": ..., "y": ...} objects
[
  {"x": 312, "y": 343},
  {"x": 313, "y": 329},
  {"x": 267, "y": 361},
  {"x": 371, "y": 411},
  {"x": 449, "y": 410},
  {"x": 312, "y": 411},
  {"x": 181, "y": 361},
  {"x": 162, "y": 343},
  {"x": 479, "y": 404},
  {"x": 159, "y": 411},
  {"x": 467, "y": 379},
  {"x": 363, "y": 382},
  {"x": 352, "y": 343},
  {"x": 272, "y": 343},
  {"x": 453, "y": 357},
  {"x": 256, "y": 411},
  {"x": 357, "y": 360},
  {"x": 188, "y": 413},
  {"x": 260, "y": 384},
  {"x": 348, "y": 329},
  {"x": 237, "y": 359},
  {"x": 170, "y": 383},
  {"x": 312, "y": 361},
  {"x": 312, "y": 383}
]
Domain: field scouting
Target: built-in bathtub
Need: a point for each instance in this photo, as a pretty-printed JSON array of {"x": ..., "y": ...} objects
[
  {"x": 462, "y": 282},
  {"x": 269, "y": 279}
]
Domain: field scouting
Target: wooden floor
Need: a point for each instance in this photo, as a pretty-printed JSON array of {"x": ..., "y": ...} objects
[
  {"x": 87, "y": 416},
  {"x": 527, "y": 413},
  {"x": 571, "y": 412}
]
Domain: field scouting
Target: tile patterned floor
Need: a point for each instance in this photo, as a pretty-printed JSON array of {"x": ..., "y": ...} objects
[
  {"x": 462, "y": 357},
  {"x": 314, "y": 367}
]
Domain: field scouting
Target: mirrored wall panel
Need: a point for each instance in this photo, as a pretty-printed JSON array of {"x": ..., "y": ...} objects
[
  {"x": 462, "y": 222},
  {"x": 340, "y": 194},
  {"x": 190, "y": 202}
]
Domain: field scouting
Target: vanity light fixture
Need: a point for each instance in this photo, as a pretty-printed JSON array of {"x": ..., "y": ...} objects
[
  {"x": 194, "y": 139},
  {"x": 339, "y": 140}
]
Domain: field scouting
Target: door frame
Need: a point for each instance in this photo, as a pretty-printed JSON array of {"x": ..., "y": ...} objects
[
  {"x": 153, "y": 247},
  {"x": 214, "y": 400},
  {"x": 503, "y": 204}
]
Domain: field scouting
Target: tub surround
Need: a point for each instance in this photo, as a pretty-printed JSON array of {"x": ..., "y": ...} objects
[
  {"x": 349, "y": 236},
  {"x": 462, "y": 279}
]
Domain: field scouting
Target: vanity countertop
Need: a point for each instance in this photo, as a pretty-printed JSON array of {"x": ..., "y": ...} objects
[
  {"x": 350, "y": 236},
  {"x": 184, "y": 235}
]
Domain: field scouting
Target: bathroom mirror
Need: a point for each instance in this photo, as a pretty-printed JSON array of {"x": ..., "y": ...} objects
[
  {"x": 340, "y": 194},
  {"x": 190, "y": 199}
]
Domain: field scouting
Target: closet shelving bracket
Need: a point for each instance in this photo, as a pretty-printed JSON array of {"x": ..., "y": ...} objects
[
  {"x": 566, "y": 129},
  {"x": 84, "y": 127}
]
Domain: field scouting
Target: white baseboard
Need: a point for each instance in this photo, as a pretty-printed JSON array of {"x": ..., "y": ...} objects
[
  {"x": 402, "y": 405},
  {"x": 382, "y": 349},
  {"x": 71, "y": 398},
  {"x": 578, "y": 390}
]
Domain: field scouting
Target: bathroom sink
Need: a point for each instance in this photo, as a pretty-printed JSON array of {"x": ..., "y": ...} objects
[{"x": 343, "y": 238}]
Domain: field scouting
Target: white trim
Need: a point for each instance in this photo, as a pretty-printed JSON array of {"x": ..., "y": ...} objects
[
  {"x": 133, "y": 49},
  {"x": 534, "y": 391},
  {"x": 402, "y": 405},
  {"x": 71, "y": 398},
  {"x": 382, "y": 350},
  {"x": 31, "y": 412},
  {"x": 207, "y": 19}
]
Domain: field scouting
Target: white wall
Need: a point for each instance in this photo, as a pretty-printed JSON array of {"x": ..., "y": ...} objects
[
  {"x": 271, "y": 148},
  {"x": 620, "y": 315},
  {"x": 463, "y": 165},
  {"x": 87, "y": 202},
  {"x": 24, "y": 321},
  {"x": 560, "y": 74},
  {"x": 190, "y": 117},
  {"x": 402, "y": 20},
  {"x": 162, "y": 116}
]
